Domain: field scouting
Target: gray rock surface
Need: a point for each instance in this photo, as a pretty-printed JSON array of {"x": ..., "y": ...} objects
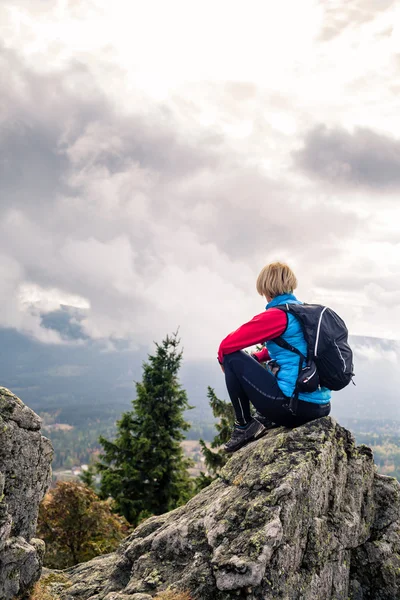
[
  {"x": 298, "y": 515},
  {"x": 25, "y": 475}
]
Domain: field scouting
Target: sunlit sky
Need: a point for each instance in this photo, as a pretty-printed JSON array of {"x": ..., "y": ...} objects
[{"x": 155, "y": 155}]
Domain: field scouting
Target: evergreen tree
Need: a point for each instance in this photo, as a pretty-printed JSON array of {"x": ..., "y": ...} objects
[
  {"x": 88, "y": 477},
  {"x": 216, "y": 460},
  {"x": 144, "y": 469}
]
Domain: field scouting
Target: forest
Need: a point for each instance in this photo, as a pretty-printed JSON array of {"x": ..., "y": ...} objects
[
  {"x": 383, "y": 437},
  {"x": 80, "y": 445}
]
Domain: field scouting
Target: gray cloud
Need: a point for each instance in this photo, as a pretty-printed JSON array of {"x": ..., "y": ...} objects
[
  {"x": 361, "y": 159},
  {"x": 66, "y": 321},
  {"x": 48, "y": 132}
]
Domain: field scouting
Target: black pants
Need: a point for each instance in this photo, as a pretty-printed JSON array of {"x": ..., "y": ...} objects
[{"x": 248, "y": 381}]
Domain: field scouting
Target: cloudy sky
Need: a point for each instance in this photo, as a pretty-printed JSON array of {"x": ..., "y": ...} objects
[{"x": 155, "y": 155}]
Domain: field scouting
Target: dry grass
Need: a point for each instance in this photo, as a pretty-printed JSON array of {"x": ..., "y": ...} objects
[
  {"x": 173, "y": 595},
  {"x": 50, "y": 586},
  {"x": 40, "y": 592}
]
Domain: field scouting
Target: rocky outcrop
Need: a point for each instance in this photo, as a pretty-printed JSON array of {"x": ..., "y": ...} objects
[
  {"x": 25, "y": 475},
  {"x": 298, "y": 515}
]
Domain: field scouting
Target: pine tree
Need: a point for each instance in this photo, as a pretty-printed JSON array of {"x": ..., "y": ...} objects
[
  {"x": 88, "y": 477},
  {"x": 216, "y": 460},
  {"x": 144, "y": 469}
]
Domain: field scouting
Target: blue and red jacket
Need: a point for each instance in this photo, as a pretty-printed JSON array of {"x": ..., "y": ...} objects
[{"x": 262, "y": 329}]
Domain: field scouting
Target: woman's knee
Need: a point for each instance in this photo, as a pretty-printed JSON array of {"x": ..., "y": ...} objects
[{"x": 234, "y": 356}]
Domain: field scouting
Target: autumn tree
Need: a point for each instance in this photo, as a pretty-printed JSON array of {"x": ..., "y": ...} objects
[
  {"x": 77, "y": 526},
  {"x": 144, "y": 469}
]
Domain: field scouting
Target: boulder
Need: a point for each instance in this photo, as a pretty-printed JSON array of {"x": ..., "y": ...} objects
[
  {"x": 300, "y": 514},
  {"x": 25, "y": 475}
]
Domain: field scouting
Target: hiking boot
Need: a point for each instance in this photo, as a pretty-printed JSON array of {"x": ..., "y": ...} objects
[
  {"x": 264, "y": 421},
  {"x": 243, "y": 435}
]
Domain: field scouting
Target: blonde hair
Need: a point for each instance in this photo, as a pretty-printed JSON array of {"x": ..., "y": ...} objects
[{"x": 275, "y": 279}]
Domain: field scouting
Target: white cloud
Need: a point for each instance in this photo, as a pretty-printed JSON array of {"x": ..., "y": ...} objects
[
  {"x": 373, "y": 354},
  {"x": 47, "y": 300}
]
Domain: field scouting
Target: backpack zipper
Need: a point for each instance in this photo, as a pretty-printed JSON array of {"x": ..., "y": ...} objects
[
  {"x": 341, "y": 356},
  {"x": 319, "y": 327},
  {"x": 308, "y": 378}
]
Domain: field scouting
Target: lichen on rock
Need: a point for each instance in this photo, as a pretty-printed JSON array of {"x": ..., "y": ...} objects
[
  {"x": 25, "y": 475},
  {"x": 299, "y": 515}
]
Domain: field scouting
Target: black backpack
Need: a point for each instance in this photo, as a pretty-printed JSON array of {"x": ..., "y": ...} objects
[{"x": 328, "y": 349}]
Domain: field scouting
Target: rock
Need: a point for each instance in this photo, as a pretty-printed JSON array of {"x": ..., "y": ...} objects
[
  {"x": 13, "y": 409},
  {"x": 299, "y": 515},
  {"x": 51, "y": 585},
  {"x": 25, "y": 475},
  {"x": 375, "y": 566}
]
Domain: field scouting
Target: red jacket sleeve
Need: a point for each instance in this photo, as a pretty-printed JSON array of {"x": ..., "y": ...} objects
[
  {"x": 262, "y": 355},
  {"x": 266, "y": 326}
]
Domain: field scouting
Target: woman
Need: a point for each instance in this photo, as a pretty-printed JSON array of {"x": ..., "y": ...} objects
[{"x": 248, "y": 381}]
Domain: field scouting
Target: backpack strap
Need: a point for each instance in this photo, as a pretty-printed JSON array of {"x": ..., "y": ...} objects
[
  {"x": 295, "y": 396},
  {"x": 294, "y": 401},
  {"x": 284, "y": 344}
]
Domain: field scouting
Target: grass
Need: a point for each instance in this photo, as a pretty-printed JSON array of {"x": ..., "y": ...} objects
[
  {"x": 40, "y": 592},
  {"x": 172, "y": 595}
]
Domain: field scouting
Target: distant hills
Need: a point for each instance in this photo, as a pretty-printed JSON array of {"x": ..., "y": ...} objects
[
  {"x": 88, "y": 381},
  {"x": 83, "y": 380}
]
